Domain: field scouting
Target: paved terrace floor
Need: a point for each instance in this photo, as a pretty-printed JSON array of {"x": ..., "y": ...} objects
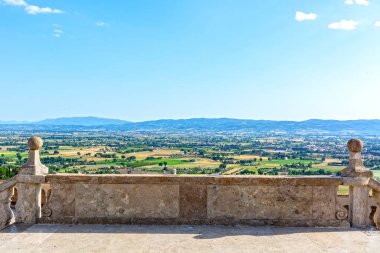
[{"x": 124, "y": 238}]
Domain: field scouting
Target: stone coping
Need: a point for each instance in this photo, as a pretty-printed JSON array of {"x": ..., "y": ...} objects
[
  {"x": 8, "y": 183},
  {"x": 192, "y": 179},
  {"x": 196, "y": 179},
  {"x": 374, "y": 184}
]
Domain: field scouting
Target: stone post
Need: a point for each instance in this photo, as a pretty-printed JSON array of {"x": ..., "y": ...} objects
[
  {"x": 28, "y": 206},
  {"x": 34, "y": 165},
  {"x": 359, "y": 210}
]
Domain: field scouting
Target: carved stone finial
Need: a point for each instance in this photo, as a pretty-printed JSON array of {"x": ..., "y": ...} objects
[
  {"x": 355, "y": 167},
  {"x": 355, "y": 145},
  {"x": 34, "y": 165},
  {"x": 35, "y": 143}
]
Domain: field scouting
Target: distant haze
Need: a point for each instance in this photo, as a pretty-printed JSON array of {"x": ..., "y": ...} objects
[{"x": 355, "y": 127}]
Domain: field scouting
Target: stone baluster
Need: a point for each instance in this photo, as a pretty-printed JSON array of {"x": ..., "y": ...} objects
[
  {"x": 376, "y": 217},
  {"x": 6, "y": 214},
  {"x": 359, "y": 191},
  {"x": 28, "y": 206}
]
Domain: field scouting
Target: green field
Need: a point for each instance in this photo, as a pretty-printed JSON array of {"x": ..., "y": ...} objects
[{"x": 376, "y": 174}]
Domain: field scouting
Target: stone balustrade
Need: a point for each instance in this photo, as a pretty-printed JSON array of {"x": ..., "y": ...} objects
[
  {"x": 185, "y": 199},
  {"x": 162, "y": 199}
]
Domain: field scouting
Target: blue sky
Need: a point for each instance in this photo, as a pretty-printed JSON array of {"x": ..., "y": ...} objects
[{"x": 142, "y": 60}]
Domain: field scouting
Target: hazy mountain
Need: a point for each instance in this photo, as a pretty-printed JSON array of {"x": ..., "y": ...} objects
[
  {"x": 81, "y": 121},
  {"x": 328, "y": 126},
  {"x": 352, "y": 127},
  {"x": 13, "y": 122}
]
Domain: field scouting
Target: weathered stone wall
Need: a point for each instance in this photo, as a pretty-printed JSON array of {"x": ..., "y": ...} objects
[{"x": 169, "y": 199}]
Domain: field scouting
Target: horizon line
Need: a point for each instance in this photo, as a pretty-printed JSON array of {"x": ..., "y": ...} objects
[{"x": 191, "y": 118}]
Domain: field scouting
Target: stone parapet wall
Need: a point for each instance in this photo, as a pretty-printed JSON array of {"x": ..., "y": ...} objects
[
  {"x": 185, "y": 199},
  {"x": 176, "y": 199}
]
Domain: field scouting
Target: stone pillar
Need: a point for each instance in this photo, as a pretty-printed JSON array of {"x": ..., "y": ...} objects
[
  {"x": 359, "y": 209},
  {"x": 28, "y": 206}
]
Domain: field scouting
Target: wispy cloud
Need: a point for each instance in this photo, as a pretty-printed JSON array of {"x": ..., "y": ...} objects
[
  {"x": 344, "y": 25},
  {"x": 101, "y": 24},
  {"x": 15, "y": 2},
  {"x": 302, "y": 16},
  {"x": 358, "y": 2},
  {"x": 31, "y": 9},
  {"x": 377, "y": 24},
  {"x": 57, "y": 33}
]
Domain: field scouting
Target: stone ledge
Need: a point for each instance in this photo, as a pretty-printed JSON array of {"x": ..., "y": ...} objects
[
  {"x": 374, "y": 184},
  {"x": 180, "y": 221},
  {"x": 199, "y": 180},
  {"x": 9, "y": 183},
  {"x": 33, "y": 179},
  {"x": 356, "y": 181}
]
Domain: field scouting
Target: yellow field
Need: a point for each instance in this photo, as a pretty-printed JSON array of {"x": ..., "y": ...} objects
[
  {"x": 71, "y": 151},
  {"x": 4, "y": 148},
  {"x": 158, "y": 153},
  {"x": 232, "y": 170},
  {"x": 200, "y": 162},
  {"x": 249, "y": 157},
  {"x": 325, "y": 165}
]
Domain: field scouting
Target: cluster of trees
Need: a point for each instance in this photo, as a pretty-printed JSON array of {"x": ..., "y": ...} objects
[
  {"x": 298, "y": 165},
  {"x": 310, "y": 172},
  {"x": 133, "y": 150},
  {"x": 7, "y": 172},
  {"x": 247, "y": 172},
  {"x": 61, "y": 162},
  {"x": 129, "y": 158},
  {"x": 372, "y": 163},
  {"x": 4, "y": 160},
  {"x": 249, "y": 162},
  {"x": 198, "y": 170},
  {"x": 103, "y": 155}
]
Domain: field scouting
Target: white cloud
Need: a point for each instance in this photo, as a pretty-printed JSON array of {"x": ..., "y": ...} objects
[
  {"x": 377, "y": 24},
  {"x": 57, "y": 33},
  {"x": 362, "y": 2},
  {"x": 33, "y": 10},
  {"x": 301, "y": 16},
  {"x": 15, "y": 2},
  {"x": 344, "y": 25},
  {"x": 358, "y": 2},
  {"x": 101, "y": 24}
]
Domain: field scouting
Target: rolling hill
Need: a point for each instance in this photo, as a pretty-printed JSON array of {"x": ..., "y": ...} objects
[{"x": 362, "y": 127}]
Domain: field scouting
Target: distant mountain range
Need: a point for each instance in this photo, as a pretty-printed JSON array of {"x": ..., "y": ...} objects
[
  {"x": 70, "y": 121},
  {"x": 81, "y": 121},
  {"x": 364, "y": 127}
]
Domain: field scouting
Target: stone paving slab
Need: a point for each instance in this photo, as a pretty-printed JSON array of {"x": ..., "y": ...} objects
[{"x": 126, "y": 238}]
